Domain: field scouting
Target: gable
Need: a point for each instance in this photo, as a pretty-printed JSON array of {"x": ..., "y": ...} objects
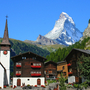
[{"x": 27, "y": 56}]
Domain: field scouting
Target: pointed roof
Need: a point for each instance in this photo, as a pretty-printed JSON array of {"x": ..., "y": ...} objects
[{"x": 5, "y": 40}]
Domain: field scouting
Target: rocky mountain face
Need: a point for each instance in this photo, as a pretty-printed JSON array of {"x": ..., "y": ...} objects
[
  {"x": 45, "y": 41},
  {"x": 64, "y": 32},
  {"x": 86, "y": 32}
]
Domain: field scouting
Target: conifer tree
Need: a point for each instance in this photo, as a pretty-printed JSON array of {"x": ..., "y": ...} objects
[{"x": 62, "y": 83}]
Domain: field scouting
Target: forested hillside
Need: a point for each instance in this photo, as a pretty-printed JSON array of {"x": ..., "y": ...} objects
[
  {"x": 60, "y": 54},
  {"x": 18, "y": 47}
]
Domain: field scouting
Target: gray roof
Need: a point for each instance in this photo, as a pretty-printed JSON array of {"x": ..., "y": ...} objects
[
  {"x": 61, "y": 62},
  {"x": 82, "y": 50}
]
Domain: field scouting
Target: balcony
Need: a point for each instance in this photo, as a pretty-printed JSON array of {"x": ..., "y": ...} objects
[
  {"x": 18, "y": 74},
  {"x": 69, "y": 64},
  {"x": 35, "y": 66},
  {"x": 70, "y": 73},
  {"x": 18, "y": 65},
  {"x": 35, "y": 74}
]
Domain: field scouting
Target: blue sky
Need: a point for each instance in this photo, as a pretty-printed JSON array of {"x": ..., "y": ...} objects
[{"x": 29, "y": 18}]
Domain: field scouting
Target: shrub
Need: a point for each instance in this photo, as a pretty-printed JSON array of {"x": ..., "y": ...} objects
[
  {"x": 75, "y": 85},
  {"x": 62, "y": 83},
  {"x": 28, "y": 85},
  {"x": 85, "y": 85},
  {"x": 69, "y": 86}
]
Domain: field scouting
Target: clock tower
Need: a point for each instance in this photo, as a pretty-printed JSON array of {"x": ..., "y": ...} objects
[{"x": 5, "y": 55}]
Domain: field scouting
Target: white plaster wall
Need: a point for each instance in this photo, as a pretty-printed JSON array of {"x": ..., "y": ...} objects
[
  {"x": 8, "y": 76},
  {"x": 1, "y": 76},
  {"x": 32, "y": 80},
  {"x": 5, "y": 60}
]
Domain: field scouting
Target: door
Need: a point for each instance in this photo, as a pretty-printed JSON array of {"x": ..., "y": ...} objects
[
  {"x": 18, "y": 82},
  {"x": 38, "y": 82}
]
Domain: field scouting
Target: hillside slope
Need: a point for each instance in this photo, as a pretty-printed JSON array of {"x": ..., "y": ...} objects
[{"x": 18, "y": 47}]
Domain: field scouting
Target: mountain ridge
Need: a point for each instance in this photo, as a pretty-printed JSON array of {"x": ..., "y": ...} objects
[{"x": 64, "y": 31}]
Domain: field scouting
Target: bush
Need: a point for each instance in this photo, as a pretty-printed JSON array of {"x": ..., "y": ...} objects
[
  {"x": 69, "y": 86},
  {"x": 85, "y": 85},
  {"x": 28, "y": 85},
  {"x": 62, "y": 82},
  {"x": 75, "y": 85}
]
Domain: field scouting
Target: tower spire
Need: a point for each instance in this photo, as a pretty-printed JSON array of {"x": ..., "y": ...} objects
[{"x": 5, "y": 40}]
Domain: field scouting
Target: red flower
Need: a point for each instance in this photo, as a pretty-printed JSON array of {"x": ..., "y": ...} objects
[
  {"x": 35, "y": 85},
  {"x": 4, "y": 86},
  {"x": 42, "y": 86}
]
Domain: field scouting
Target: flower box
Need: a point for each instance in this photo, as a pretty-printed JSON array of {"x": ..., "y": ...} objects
[
  {"x": 36, "y": 66},
  {"x": 42, "y": 86},
  {"x": 69, "y": 64},
  {"x": 5, "y": 86},
  {"x": 35, "y": 85},
  {"x": 18, "y": 74},
  {"x": 70, "y": 73},
  {"x": 35, "y": 74},
  {"x": 18, "y": 65}
]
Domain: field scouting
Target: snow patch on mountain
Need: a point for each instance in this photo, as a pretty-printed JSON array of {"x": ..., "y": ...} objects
[{"x": 64, "y": 31}]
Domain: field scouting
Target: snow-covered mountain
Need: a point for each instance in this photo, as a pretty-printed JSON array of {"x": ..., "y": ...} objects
[{"x": 64, "y": 31}]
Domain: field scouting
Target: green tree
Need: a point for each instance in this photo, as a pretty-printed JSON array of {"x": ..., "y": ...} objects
[
  {"x": 89, "y": 21},
  {"x": 62, "y": 83},
  {"x": 84, "y": 67}
]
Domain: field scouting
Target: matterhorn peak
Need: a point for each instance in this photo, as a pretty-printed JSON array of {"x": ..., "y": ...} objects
[
  {"x": 64, "y": 31},
  {"x": 65, "y": 16}
]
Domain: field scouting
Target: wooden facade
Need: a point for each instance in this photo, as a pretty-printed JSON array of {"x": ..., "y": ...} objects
[
  {"x": 27, "y": 67},
  {"x": 50, "y": 69},
  {"x": 62, "y": 68},
  {"x": 72, "y": 59}
]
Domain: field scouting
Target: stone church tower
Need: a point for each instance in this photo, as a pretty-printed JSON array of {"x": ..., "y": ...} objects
[{"x": 5, "y": 59}]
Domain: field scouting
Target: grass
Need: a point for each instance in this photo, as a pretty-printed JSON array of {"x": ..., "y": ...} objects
[
  {"x": 51, "y": 48},
  {"x": 51, "y": 81}
]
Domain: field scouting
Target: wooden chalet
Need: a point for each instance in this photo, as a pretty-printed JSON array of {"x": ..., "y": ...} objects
[
  {"x": 71, "y": 59},
  {"x": 62, "y": 68},
  {"x": 28, "y": 69},
  {"x": 50, "y": 69}
]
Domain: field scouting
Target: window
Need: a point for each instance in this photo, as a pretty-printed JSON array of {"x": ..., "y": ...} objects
[
  {"x": 18, "y": 72},
  {"x": 64, "y": 73},
  {"x": 23, "y": 57},
  {"x": 36, "y": 64},
  {"x": 63, "y": 67},
  {"x": 18, "y": 63},
  {"x": 28, "y": 79},
  {"x": 34, "y": 58}
]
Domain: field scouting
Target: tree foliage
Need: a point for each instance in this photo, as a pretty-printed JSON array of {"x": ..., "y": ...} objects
[
  {"x": 84, "y": 66},
  {"x": 62, "y": 83},
  {"x": 89, "y": 21},
  {"x": 60, "y": 54}
]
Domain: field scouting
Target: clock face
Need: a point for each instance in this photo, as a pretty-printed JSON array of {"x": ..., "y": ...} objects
[{"x": 5, "y": 52}]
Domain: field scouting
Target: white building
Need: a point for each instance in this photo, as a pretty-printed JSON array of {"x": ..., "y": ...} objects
[{"x": 5, "y": 59}]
